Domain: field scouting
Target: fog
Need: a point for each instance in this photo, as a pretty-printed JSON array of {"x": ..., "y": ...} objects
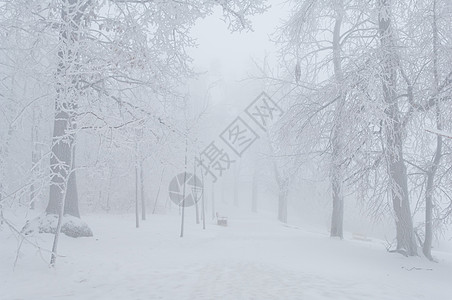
[{"x": 225, "y": 149}]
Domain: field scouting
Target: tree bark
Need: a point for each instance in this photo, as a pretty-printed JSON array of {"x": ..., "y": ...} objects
[
  {"x": 196, "y": 202},
  {"x": 397, "y": 172},
  {"x": 35, "y": 156},
  {"x": 143, "y": 200},
  {"x": 427, "y": 246},
  {"x": 337, "y": 151},
  {"x": 254, "y": 190},
  {"x": 68, "y": 92},
  {"x": 60, "y": 166},
  {"x": 430, "y": 188},
  {"x": 137, "y": 213},
  {"x": 197, "y": 212},
  {"x": 282, "y": 201},
  {"x": 338, "y": 204},
  {"x": 213, "y": 201},
  {"x": 236, "y": 185}
]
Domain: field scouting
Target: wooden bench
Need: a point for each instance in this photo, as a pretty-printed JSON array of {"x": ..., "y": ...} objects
[{"x": 221, "y": 220}]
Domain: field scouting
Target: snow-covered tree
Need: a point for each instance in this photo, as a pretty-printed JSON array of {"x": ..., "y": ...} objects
[
  {"x": 360, "y": 78},
  {"x": 98, "y": 56},
  {"x": 322, "y": 48}
]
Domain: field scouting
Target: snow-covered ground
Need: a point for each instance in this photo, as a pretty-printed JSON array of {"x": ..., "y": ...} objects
[{"x": 252, "y": 258}]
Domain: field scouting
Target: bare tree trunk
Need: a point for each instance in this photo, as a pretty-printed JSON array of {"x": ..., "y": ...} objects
[
  {"x": 137, "y": 209},
  {"x": 35, "y": 157},
  {"x": 338, "y": 204},
  {"x": 71, "y": 199},
  {"x": 282, "y": 201},
  {"x": 236, "y": 185},
  {"x": 58, "y": 227},
  {"x": 5, "y": 151},
  {"x": 203, "y": 205},
  {"x": 182, "y": 223},
  {"x": 68, "y": 92},
  {"x": 337, "y": 151},
  {"x": 2, "y": 178},
  {"x": 429, "y": 190},
  {"x": 158, "y": 192},
  {"x": 143, "y": 200},
  {"x": 213, "y": 201},
  {"x": 109, "y": 189},
  {"x": 60, "y": 158},
  {"x": 223, "y": 195},
  {"x": 197, "y": 212},
  {"x": 254, "y": 190},
  {"x": 427, "y": 246},
  {"x": 282, "y": 180},
  {"x": 397, "y": 172},
  {"x": 196, "y": 197}
]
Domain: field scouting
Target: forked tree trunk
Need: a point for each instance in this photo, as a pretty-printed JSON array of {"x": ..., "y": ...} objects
[
  {"x": 430, "y": 188},
  {"x": 397, "y": 172}
]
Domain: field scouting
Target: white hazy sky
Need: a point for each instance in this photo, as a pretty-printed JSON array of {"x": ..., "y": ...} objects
[{"x": 234, "y": 50}]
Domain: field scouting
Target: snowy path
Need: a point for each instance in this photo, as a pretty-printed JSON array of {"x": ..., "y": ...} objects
[{"x": 253, "y": 259}]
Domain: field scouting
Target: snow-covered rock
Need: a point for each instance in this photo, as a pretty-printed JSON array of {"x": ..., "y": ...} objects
[{"x": 47, "y": 223}]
